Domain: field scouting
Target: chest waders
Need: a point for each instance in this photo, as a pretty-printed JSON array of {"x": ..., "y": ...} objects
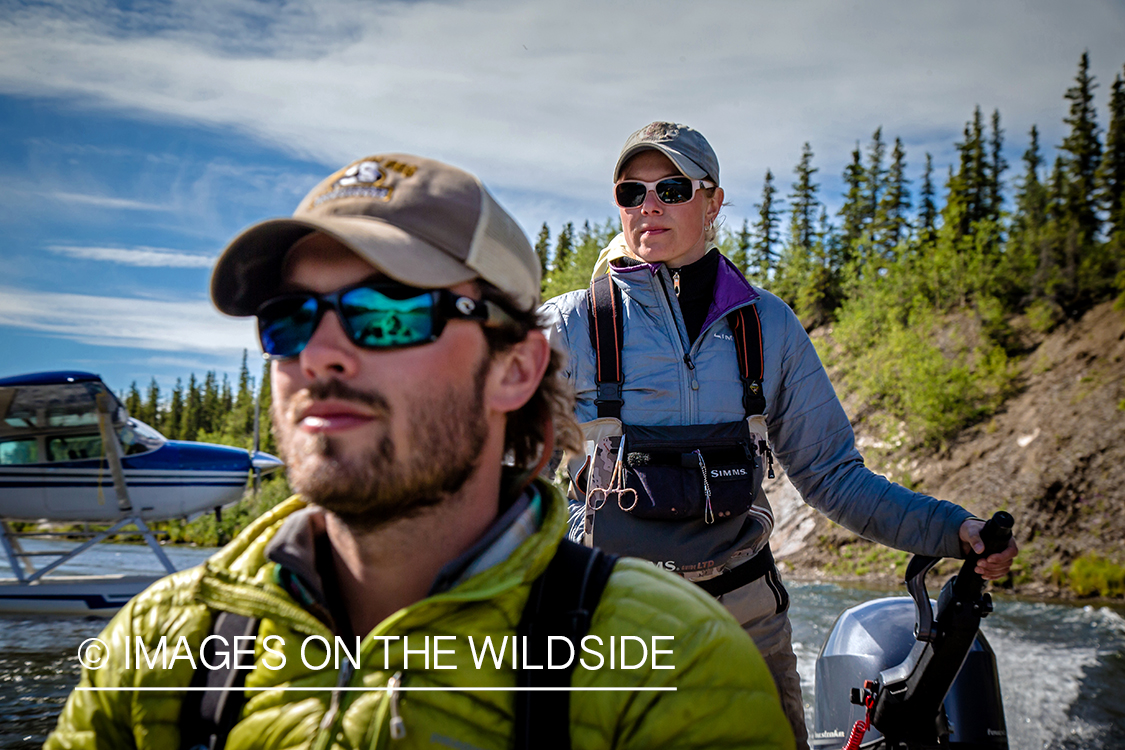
[{"x": 695, "y": 473}]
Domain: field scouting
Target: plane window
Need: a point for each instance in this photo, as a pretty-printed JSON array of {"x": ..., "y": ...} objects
[
  {"x": 138, "y": 437},
  {"x": 74, "y": 447},
  {"x": 25, "y": 451},
  {"x": 20, "y": 418},
  {"x": 70, "y": 418}
]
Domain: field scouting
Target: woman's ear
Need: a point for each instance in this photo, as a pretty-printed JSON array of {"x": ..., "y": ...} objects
[
  {"x": 516, "y": 373},
  {"x": 715, "y": 204}
]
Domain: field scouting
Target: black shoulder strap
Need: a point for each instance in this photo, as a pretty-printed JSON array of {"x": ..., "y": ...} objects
[
  {"x": 562, "y": 602},
  {"x": 603, "y": 299},
  {"x": 207, "y": 716},
  {"x": 747, "y": 329}
]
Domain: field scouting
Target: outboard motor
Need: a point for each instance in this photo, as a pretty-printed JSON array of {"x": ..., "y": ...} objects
[{"x": 910, "y": 680}]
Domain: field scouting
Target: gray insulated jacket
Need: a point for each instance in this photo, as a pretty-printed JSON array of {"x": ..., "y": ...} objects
[{"x": 672, "y": 381}]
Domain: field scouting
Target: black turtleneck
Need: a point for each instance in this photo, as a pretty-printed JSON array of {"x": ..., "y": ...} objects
[{"x": 696, "y": 290}]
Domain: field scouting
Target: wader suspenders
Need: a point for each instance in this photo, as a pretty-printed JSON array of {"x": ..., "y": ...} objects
[
  {"x": 607, "y": 336},
  {"x": 562, "y": 602}
]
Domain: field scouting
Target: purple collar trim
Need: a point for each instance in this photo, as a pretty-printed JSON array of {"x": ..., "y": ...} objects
[{"x": 731, "y": 290}]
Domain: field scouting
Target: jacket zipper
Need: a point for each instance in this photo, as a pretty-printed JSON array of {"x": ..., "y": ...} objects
[
  {"x": 675, "y": 274},
  {"x": 398, "y": 726}
]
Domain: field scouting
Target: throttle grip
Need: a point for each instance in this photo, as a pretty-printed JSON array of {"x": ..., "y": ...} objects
[{"x": 997, "y": 533}]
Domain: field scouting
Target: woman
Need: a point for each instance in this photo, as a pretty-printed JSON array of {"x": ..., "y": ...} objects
[{"x": 680, "y": 306}]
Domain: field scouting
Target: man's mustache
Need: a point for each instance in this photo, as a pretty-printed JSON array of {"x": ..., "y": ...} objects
[{"x": 322, "y": 390}]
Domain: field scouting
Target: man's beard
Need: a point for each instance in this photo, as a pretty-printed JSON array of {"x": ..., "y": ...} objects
[{"x": 446, "y": 435}]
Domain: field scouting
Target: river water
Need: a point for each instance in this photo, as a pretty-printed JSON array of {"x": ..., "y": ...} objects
[{"x": 1062, "y": 667}]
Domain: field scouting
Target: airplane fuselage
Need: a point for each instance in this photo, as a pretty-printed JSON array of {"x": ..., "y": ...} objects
[{"x": 179, "y": 479}]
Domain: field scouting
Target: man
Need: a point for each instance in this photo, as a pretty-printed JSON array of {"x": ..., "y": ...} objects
[{"x": 414, "y": 394}]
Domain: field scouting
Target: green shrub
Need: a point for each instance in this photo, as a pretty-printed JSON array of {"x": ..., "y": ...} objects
[
  {"x": 1043, "y": 316},
  {"x": 207, "y": 531},
  {"x": 1055, "y": 574},
  {"x": 1093, "y": 575}
]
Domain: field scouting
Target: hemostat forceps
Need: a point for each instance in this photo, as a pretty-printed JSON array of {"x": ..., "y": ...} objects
[{"x": 615, "y": 487}]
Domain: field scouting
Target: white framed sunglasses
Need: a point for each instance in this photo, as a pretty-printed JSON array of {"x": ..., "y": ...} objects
[{"x": 670, "y": 190}]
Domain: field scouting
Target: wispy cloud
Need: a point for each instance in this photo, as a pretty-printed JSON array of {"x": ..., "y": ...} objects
[
  {"x": 542, "y": 95},
  {"x": 177, "y": 326},
  {"x": 151, "y": 257},
  {"x": 199, "y": 365},
  {"x": 105, "y": 201}
]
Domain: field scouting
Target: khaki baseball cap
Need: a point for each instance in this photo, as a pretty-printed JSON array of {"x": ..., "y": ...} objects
[
  {"x": 419, "y": 221},
  {"x": 686, "y": 147}
]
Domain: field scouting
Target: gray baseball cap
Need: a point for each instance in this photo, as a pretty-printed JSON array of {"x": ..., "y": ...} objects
[
  {"x": 419, "y": 221},
  {"x": 686, "y": 147}
]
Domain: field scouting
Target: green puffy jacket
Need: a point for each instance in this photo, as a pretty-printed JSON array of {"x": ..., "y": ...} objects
[{"x": 724, "y": 695}]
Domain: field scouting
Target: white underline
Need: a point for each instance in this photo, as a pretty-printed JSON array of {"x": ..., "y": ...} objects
[{"x": 377, "y": 689}]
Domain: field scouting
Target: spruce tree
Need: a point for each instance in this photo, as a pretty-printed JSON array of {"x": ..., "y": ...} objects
[
  {"x": 927, "y": 209},
  {"x": 875, "y": 174},
  {"x": 997, "y": 166},
  {"x": 744, "y": 245},
  {"x": 226, "y": 397},
  {"x": 739, "y": 254},
  {"x": 799, "y": 276},
  {"x": 1026, "y": 238},
  {"x": 803, "y": 201},
  {"x": 1111, "y": 176},
  {"x": 1083, "y": 149},
  {"x": 972, "y": 185},
  {"x": 1050, "y": 270},
  {"x": 563, "y": 248},
  {"x": 150, "y": 413},
  {"x": 174, "y": 421},
  {"x": 764, "y": 256},
  {"x": 133, "y": 401},
  {"x": 1111, "y": 184},
  {"x": 1084, "y": 265},
  {"x": 265, "y": 406},
  {"x": 191, "y": 418},
  {"x": 891, "y": 222},
  {"x": 244, "y": 398},
  {"x": 210, "y": 408},
  {"x": 852, "y": 213},
  {"x": 543, "y": 249}
]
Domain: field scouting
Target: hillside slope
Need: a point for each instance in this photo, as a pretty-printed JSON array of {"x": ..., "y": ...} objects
[{"x": 1054, "y": 456}]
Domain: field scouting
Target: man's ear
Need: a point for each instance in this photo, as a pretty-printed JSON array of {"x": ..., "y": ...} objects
[{"x": 517, "y": 372}]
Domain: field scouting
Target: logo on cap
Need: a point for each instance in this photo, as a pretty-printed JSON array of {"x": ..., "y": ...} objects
[
  {"x": 365, "y": 171},
  {"x": 361, "y": 180},
  {"x": 660, "y": 131}
]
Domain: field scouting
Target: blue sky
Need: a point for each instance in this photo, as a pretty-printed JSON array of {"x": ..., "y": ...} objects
[{"x": 137, "y": 138}]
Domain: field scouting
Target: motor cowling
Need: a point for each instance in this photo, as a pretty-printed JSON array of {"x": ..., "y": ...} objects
[{"x": 875, "y": 636}]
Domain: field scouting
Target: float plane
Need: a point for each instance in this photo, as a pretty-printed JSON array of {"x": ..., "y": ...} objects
[{"x": 70, "y": 452}]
